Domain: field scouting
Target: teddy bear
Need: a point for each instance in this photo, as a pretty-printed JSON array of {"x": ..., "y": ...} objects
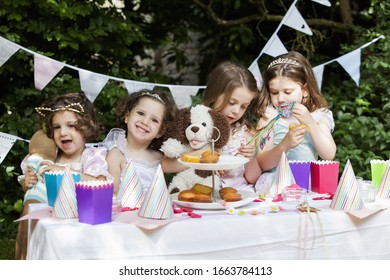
[{"x": 193, "y": 129}]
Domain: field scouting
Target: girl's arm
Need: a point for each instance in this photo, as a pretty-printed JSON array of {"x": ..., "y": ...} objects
[
  {"x": 114, "y": 160},
  {"x": 319, "y": 132},
  {"x": 252, "y": 169}
]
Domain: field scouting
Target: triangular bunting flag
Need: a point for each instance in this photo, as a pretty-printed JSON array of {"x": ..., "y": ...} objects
[
  {"x": 318, "y": 73},
  {"x": 7, "y": 49},
  {"x": 182, "y": 95},
  {"x": 130, "y": 190},
  {"x": 347, "y": 196},
  {"x": 255, "y": 70},
  {"x": 384, "y": 187},
  {"x": 6, "y": 143},
  {"x": 274, "y": 46},
  {"x": 132, "y": 86},
  {"x": 323, "y": 2},
  {"x": 294, "y": 19},
  {"x": 45, "y": 70},
  {"x": 92, "y": 83},
  {"x": 351, "y": 63},
  {"x": 157, "y": 203},
  {"x": 283, "y": 177}
]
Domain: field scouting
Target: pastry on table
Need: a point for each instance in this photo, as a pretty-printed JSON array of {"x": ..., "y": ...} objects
[
  {"x": 203, "y": 189},
  {"x": 209, "y": 157},
  {"x": 230, "y": 194},
  {"x": 190, "y": 158}
]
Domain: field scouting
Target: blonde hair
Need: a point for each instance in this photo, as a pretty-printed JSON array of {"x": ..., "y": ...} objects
[{"x": 296, "y": 67}]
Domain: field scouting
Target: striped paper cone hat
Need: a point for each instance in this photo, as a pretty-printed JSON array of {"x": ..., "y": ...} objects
[
  {"x": 283, "y": 177},
  {"x": 157, "y": 203},
  {"x": 130, "y": 190},
  {"x": 384, "y": 187},
  {"x": 65, "y": 205},
  {"x": 347, "y": 196}
]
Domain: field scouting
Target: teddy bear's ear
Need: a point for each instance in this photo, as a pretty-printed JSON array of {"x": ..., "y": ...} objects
[
  {"x": 176, "y": 128},
  {"x": 222, "y": 124}
]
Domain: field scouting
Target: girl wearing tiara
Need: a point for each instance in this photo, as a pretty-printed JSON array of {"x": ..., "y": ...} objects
[
  {"x": 140, "y": 116},
  {"x": 69, "y": 120},
  {"x": 306, "y": 134}
]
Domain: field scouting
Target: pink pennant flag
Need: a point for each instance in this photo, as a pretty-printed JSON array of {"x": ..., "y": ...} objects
[
  {"x": 157, "y": 203},
  {"x": 283, "y": 177},
  {"x": 384, "y": 187},
  {"x": 45, "y": 70},
  {"x": 347, "y": 196},
  {"x": 65, "y": 205},
  {"x": 130, "y": 190}
]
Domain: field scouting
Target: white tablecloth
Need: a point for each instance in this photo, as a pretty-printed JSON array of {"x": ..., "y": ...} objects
[{"x": 283, "y": 235}]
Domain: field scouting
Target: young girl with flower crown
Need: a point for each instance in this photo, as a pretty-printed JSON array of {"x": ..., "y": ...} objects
[
  {"x": 231, "y": 89},
  {"x": 69, "y": 120},
  {"x": 306, "y": 135},
  {"x": 140, "y": 116}
]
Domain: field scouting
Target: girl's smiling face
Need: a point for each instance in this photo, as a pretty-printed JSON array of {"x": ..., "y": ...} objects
[
  {"x": 284, "y": 89},
  {"x": 237, "y": 104},
  {"x": 69, "y": 140},
  {"x": 145, "y": 120}
]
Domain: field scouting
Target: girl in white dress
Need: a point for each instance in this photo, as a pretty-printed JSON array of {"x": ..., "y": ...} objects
[{"x": 140, "y": 116}]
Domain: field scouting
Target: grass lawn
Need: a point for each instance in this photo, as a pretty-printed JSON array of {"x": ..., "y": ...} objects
[{"x": 7, "y": 248}]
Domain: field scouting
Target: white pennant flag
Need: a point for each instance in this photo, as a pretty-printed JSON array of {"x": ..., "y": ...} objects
[
  {"x": 45, "y": 70},
  {"x": 6, "y": 143},
  {"x": 255, "y": 70},
  {"x": 323, "y": 2},
  {"x": 351, "y": 63},
  {"x": 294, "y": 19},
  {"x": 92, "y": 83},
  {"x": 318, "y": 73},
  {"x": 182, "y": 95},
  {"x": 132, "y": 86},
  {"x": 274, "y": 46},
  {"x": 7, "y": 49}
]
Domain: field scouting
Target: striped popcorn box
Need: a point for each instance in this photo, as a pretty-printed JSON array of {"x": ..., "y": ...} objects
[
  {"x": 324, "y": 176},
  {"x": 347, "y": 196},
  {"x": 157, "y": 203},
  {"x": 378, "y": 168},
  {"x": 283, "y": 177},
  {"x": 384, "y": 186},
  {"x": 53, "y": 180},
  {"x": 130, "y": 190},
  {"x": 65, "y": 205}
]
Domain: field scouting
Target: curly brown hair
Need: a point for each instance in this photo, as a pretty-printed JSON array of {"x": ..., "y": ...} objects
[
  {"x": 128, "y": 103},
  {"x": 84, "y": 110}
]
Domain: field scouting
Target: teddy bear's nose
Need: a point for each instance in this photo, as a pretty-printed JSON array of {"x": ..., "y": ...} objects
[{"x": 195, "y": 129}]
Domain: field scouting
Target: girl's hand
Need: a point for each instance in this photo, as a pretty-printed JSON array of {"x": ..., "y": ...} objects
[
  {"x": 294, "y": 137},
  {"x": 30, "y": 180},
  {"x": 49, "y": 166},
  {"x": 302, "y": 114},
  {"x": 247, "y": 151}
]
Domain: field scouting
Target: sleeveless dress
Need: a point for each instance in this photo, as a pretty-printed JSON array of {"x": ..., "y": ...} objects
[
  {"x": 303, "y": 152},
  {"x": 235, "y": 177},
  {"x": 116, "y": 138},
  {"x": 93, "y": 162}
]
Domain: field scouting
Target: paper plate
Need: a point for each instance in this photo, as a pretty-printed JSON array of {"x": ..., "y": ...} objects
[
  {"x": 224, "y": 162},
  {"x": 247, "y": 197}
]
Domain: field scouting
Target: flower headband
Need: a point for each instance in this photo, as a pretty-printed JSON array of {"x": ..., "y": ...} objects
[
  {"x": 155, "y": 96},
  {"x": 74, "y": 107},
  {"x": 283, "y": 61}
]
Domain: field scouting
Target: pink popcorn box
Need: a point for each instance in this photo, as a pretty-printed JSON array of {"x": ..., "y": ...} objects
[
  {"x": 324, "y": 176},
  {"x": 94, "y": 202},
  {"x": 301, "y": 173}
]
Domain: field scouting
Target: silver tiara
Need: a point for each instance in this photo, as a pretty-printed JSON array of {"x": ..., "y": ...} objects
[
  {"x": 155, "y": 96},
  {"x": 283, "y": 61}
]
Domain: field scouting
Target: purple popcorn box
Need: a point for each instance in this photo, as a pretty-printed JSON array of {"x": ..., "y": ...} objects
[
  {"x": 301, "y": 173},
  {"x": 53, "y": 182},
  {"x": 94, "y": 201}
]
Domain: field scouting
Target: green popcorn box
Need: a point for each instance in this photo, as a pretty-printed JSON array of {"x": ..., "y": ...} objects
[{"x": 378, "y": 168}]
